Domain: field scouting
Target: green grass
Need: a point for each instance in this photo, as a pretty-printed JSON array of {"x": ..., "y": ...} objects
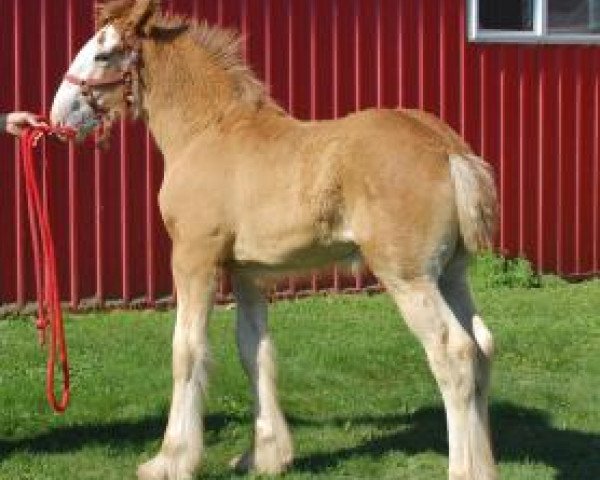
[{"x": 353, "y": 382}]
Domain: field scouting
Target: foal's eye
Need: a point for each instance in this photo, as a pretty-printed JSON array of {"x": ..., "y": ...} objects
[{"x": 102, "y": 57}]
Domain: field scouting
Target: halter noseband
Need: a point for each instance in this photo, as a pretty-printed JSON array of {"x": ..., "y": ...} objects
[{"x": 116, "y": 78}]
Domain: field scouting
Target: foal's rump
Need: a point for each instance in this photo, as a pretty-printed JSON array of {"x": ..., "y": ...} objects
[
  {"x": 474, "y": 187},
  {"x": 415, "y": 191}
]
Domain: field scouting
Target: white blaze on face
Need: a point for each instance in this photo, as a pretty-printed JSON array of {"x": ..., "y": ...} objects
[{"x": 70, "y": 108}]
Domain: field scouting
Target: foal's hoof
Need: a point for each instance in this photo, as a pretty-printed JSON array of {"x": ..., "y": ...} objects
[
  {"x": 242, "y": 463},
  {"x": 162, "y": 468},
  {"x": 483, "y": 474},
  {"x": 268, "y": 465}
]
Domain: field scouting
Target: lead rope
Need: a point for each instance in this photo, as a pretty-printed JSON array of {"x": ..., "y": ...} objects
[{"x": 49, "y": 311}]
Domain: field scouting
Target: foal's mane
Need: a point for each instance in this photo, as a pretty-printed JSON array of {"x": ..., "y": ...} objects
[{"x": 222, "y": 45}]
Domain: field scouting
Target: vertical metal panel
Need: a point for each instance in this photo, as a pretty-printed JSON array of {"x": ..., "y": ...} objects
[
  {"x": 470, "y": 115},
  {"x": 98, "y": 228},
  {"x": 527, "y": 153},
  {"x": 20, "y": 250},
  {"x": 584, "y": 154},
  {"x": 532, "y": 111},
  {"x": 57, "y": 188},
  {"x": 595, "y": 210},
  {"x": 510, "y": 174},
  {"x": 451, "y": 68},
  {"x": 72, "y": 180},
  {"x": 8, "y": 284},
  {"x": 547, "y": 159},
  {"x": 409, "y": 67},
  {"x": 567, "y": 168}
]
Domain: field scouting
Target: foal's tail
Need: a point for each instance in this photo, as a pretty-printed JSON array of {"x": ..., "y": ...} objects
[{"x": 476, "y": 200}]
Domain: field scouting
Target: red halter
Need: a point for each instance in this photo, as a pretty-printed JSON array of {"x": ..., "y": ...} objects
[{"x": 111, "y": 79}]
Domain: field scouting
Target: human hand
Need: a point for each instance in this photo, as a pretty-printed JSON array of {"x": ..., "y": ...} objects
[{"x": 16, "y": 122}]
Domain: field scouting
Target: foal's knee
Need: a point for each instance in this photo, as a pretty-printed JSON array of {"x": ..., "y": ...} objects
[
  {"x": 463, "y": 350},
  {"x": 462, "y": 356}
]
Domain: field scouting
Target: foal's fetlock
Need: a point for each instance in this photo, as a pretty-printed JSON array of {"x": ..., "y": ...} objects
[{"x": 268, "y": 460}]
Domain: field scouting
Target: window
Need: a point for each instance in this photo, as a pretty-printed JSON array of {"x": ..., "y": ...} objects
[
  {"x": 506, "y": 15},
  {"x": 534, "y": 21},
  {"x": 568, "y": 16}
]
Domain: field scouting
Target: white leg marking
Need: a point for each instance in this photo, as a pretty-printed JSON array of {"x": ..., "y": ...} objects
[
  {"x": 272, "y": 452},
  {"x": 181, "y": 450},
  {"x": 455, "y": 362}
]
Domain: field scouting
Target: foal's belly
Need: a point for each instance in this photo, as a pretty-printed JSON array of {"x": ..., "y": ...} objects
[{"x": 274, "y": 258}]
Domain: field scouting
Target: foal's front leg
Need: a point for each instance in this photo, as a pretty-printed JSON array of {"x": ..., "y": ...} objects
[
  {"x": 272, "y": 449},
  {"x": 181, "y": 450}
]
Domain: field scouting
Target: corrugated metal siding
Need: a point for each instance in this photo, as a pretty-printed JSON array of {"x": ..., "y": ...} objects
[{"x": 533, "y": 111}]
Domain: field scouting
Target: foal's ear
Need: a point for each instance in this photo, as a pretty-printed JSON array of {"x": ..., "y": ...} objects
[
  {"x": 145, "y": 18},
  {"x": 132, "y": 13},
  {"x": 161, "y": 26},
  {"x": 141, "y": 12}
]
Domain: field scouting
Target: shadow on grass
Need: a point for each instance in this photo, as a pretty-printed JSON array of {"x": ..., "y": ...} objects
[
  {"x": 521, "y": 435},
  {"x": 119, "y": 434}
]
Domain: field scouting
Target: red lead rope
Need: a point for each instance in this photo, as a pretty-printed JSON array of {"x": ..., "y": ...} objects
[{"x": 49, "y": 311}]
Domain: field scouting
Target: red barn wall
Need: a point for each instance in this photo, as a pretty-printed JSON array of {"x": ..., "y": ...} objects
[{"x": 532, "y": 111}]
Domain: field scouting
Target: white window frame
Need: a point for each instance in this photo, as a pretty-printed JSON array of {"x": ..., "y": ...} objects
[{"x": 539, "y": 33}]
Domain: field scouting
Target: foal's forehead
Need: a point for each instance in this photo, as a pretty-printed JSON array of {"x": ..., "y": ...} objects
[
  {"x": 103, "y": 41},
  {"x": 108, "y": 37}
]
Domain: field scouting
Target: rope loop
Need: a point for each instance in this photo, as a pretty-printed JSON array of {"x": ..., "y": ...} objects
[{"x": 49, "y": 310}]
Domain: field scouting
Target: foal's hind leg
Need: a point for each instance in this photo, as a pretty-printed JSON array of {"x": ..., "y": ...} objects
[
  {"x": 453, "y": 355},
  {"x": 272, "y": 449},
  {"x": 457, "y": 294}
]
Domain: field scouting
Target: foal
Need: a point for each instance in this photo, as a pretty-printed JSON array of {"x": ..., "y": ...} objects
[{"x": 252, "y": 190}]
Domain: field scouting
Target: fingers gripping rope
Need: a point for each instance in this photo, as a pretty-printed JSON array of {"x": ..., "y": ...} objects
[{"x": 49, "y": 311}]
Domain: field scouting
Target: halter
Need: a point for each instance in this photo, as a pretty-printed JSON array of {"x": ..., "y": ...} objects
[{"x": 122, "y": 77}]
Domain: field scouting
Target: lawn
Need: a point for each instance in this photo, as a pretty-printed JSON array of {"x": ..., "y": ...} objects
[{"x": 353, "y": 382}]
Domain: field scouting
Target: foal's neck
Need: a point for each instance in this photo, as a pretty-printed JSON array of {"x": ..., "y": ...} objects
[{"x": 187, "y": 96}]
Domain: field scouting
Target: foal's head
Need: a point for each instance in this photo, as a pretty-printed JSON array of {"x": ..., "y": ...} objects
[{"x": 104, "y": 82}]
